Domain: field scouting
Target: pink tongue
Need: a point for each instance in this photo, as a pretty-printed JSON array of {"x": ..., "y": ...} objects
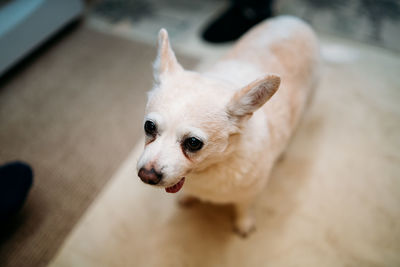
[{"x": 175, "y": 188}]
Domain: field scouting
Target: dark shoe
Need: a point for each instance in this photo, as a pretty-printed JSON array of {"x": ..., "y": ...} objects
[
  {"x": 234, "y": 22},
  {"x": 16, "y": 179}
]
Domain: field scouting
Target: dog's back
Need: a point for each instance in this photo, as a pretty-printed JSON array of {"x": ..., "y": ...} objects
[{"x": 285, "y": 46}]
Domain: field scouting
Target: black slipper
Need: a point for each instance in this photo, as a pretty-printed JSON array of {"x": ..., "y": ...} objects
[
  {"x": 235, "y": 21},
  {"x": 16, "y": 179}
]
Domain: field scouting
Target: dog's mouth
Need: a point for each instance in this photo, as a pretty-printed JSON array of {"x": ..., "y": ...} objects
[{"x": 176, "y": 187}]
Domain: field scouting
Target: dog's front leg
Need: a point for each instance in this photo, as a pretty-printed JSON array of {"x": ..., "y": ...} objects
[{"x": 244, "y": 220}]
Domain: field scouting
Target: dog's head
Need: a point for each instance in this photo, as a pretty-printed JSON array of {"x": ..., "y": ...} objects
[{"x": 191, "y": 119}]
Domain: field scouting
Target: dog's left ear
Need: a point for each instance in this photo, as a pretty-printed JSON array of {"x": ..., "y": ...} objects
[
  {"x": 166, "y": 61},
  {"x": 251, "y": 97}
]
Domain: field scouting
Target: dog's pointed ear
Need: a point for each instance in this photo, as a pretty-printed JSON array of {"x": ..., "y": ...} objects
[
  {"x": 166, "y": 60},
  {"x": 251, "y": 97}
]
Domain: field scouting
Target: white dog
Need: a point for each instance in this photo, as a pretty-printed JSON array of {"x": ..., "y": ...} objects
[{"x": 214, "y": 133}]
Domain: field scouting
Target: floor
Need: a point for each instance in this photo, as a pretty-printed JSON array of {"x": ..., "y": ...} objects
[
  {"x": 73, "y": 111},
  {"x": 332, "y": 201}
]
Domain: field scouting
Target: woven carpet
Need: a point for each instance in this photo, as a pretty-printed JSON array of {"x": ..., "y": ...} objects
[{"x": 73, "y": 112}]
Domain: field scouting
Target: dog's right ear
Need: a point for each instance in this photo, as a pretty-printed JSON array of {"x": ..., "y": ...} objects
[
  {"x": 251, "y": 97},
  {"x": 166, "y": 61}
]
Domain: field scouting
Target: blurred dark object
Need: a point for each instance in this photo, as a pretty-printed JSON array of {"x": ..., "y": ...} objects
[
  {"x": 370, "y": 21},
  {"x": 4, "y": 2},
  {"x": 377, "y": 12},
  {"x": 237, "y": 19},
  {"x": 16, "y": 179},
  {"x": 25, "y": 25}
]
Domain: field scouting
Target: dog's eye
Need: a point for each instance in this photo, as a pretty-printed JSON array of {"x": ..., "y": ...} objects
[
  {"x": 192, "y": 144},
  {"x": 150, "y": 128}
]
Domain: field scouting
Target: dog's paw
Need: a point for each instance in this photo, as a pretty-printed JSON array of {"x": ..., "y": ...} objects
[
  {"x": 186, "y": 200},
  {"x": 244, "y": 226}
]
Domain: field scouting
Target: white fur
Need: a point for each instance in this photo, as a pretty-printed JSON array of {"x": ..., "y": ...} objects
[{"x": 222, "y": 108}]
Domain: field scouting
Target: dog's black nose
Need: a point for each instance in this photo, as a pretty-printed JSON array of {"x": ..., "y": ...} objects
[{"x": 150, "y": 176}]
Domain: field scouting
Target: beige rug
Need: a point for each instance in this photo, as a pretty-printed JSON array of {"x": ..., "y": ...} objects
[
  {"x": 74, "y": 113},
  {"x": 332, "y": 201}
]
